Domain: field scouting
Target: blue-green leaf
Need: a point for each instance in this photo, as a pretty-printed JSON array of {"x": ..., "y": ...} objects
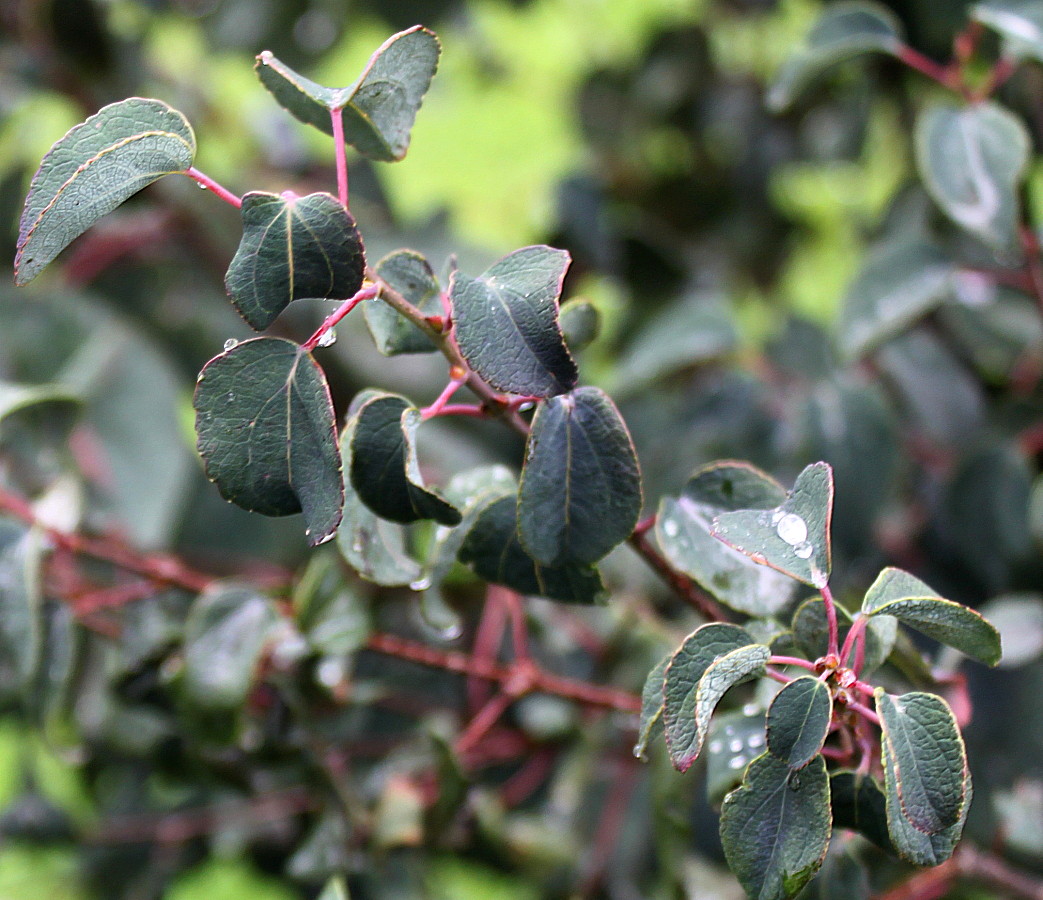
[
  {"x": 410, "y": 275},
  {"x": 798, "y": 721}
]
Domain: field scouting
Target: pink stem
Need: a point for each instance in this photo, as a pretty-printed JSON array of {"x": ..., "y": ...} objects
[
  {"x": 439, "y": 406},
  {"x": 853, "y": 633},
  {"x": 935, "y": 71},
  {"x": 831, "y": 620},
  {"x": 864, "y": 711},
  {"x": 778, "y": 676},
  {"x": 1004, "y": 68},
  {"x": 366, "y": 293},
  {"x": 341, "y": 154},
  {"x": 791, "y": 661},
  {"x": 211, "y": 185},
  {"x": 463, "y": 409}
]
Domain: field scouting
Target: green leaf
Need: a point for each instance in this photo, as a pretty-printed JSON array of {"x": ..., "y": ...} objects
[
  {"x": 21, "y": 607},
  {"x": 721, "y": 676},
  {"x": 293, "y": 248},
  {"x": 267, "y": 433},
  {"x": 927, "y": 756},
  {"x": 811, "y": 634},
  {"x": 580, "y": 492},
  {"x": 794, "y": 537},
  {"x": 683, "y": 528},
  {"x": 859, "y": 804},
  {"x": 899, "y": 594},
  {"x": 651, "y": 705},
  {"x": 798, "y": 721},
  {"x": 681, "y": 686},
  {"x": 411, "y": 275},
  {"x": 1019, "y": 22},
  {"x": 972, "y": 160},
  {"x": 385, "y": 472},
  {"x": 507, "y": 323},
  {"x": 335, "y": 889},
  {"x": 897, "y": 285},
  {"x": 845, "y": 31},
  {"x": 90, "y": 171},
  {"x": 735, "y": 739},
  {"x": 329, "y": 612},
  {"x": 225, "y": 634},
  {"x": 379, "y": 109},
  {"x": 775, "y": 827},
  {"x": 580, "y": 323},
  {"x": 493, "y": 550}
]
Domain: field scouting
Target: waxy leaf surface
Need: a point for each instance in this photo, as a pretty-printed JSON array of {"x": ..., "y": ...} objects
[
  {"x": 379, "y": 109},
  {"x": 409, "y": 274},
  {"x": 794, "y": 537},
  {"x": 683, "y": 527},
  {"x": 267, "y": 433},
  {"x": 651, "y": 706},
  {"x": 925, "y": 750},
  {"x": 899, "y": 594},
  {"x": 845, "y": 31},
  {"x": 293, "y": 248},
  {"x": 775, "y": 827},
  {"x": 798, "y": 721},
  {"x": 507, "y": 323},
  {"x": 972, "y": 160},
  {"x": 90, "y": 171},
  {"x": 1020, "y": 22},
  {"x": 493, "y": 550},
  {"x": 681, "y": 685},
  {"x": 385, "y": 472},
  {"x": 580, "y": 491}
]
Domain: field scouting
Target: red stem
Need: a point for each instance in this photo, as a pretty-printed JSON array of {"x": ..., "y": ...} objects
[
  {"x": 483, "y": 721},
  {"x": 864, "y": 711},
  {"x": 944, "y": 75},
  {"x": 463, "y": 409},
  {"x": 341, "y": 155},
  {"x": 831, "y": 621},
  {"x": 211, "y": 185},
  {"x": 791, "y": 661},
  {"x": 437, "y": 408},
  {"x": 366, "y": 293},
  {"x": 852, "y": 635}
]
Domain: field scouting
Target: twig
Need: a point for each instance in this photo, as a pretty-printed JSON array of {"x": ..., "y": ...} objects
[{"x": 687, "y": 589}]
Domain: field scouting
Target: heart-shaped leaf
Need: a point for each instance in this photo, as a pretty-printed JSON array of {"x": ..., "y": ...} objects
[
  {"x": 267, "y": 433},
  {"x": 293, "y": 248},
  {"x": 385, "y": 472},
  {"x": 651, "y": 706},
  {"x": 411, "y": 275},
  {"x": 681, "y": 685},
  {"x": 899, "y": 594},
  {"x": 844, "y": 31},
  {"x": 493, "y": 550},
  {"x": 775, "y": 827},
  {"x": 507, "y": 323},
  {"x": 580, "y": 491},
  {"x": 798, "y": 721},
  {"x": 793, "y": 537},
  {"x": 859, "y": 804},
  {"x": 683, "y": 528},
  {"x": 926, "y": 752},
  {"x": 379, "y": 109},
  {"x": 90, "y": 171},
  {"x": 972, "y": 160},
  {"x": 1019, "y": 22}
]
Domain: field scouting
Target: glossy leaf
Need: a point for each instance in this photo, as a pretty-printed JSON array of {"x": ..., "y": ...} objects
[
  {"x": 927, "y": 755},
  {"x": 651, "y": 706},
  {"x": 794, "y": 537},
  {"x": 899, "y": 594},
  {"x": 21, "y": 607},
  {"x": 859, "y": 804},
  {"x": 293, "y": 248},
  {"x": 506, "y": 323},
  {"x": 580, "y": 492},
  {"x": 798, "y": 721},
  {"x": 721, "y": 676},
  {"x": 1019, "y": 22},
  {"x": 379, "y": 109},
  {"x": 580, "y": 323},
  {"x": 972, "y": 160},
  {"x": 845, "y": 31},
  {"x": 775, "y": 827},
  {"x": 266, "y": 433},
  {"x": 225, "y": 634},
  {"x": 683, "y": 532},
  {"x": 897, "y": 285},
  {"x": 681, "y": 685},
  {"x": 98, "y": 164},
  {"x": 493, "y": 550},
  {"x": 385, "y": 472},
  {"x": 410, "y": 274}
]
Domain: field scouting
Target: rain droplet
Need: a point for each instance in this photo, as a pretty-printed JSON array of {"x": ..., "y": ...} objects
[
  {"x": 670, "y": 527},
  {"x": 804, "y": 551},
  {"x": 735, "y": 746},
  {"x": 736, "y": 762},
  {"x": 750, "y": 709},
  {"x": 526, "y": 406},
  {"x": 328, "y": 339},
  {"x": 421, "y": 584},
  {"x": 716, "y": 746},
  {"x": 754, "y": 741},
  {"x": 792, "y": 529},
  {"x": 330, "y": 672},
  {"x": 231, "y": 344}
]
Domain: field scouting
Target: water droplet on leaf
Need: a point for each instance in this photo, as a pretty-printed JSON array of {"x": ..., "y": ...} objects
[
  {"x": 736, "y": 762},
  {"x": 670, "y": 528},
  {"x": 735, "y": 746},
  {"x": 231, "y": 344},
  {"x": 327, "y": 339},
  {"x": 421, "y": 584},
  {"x": 804, "y": 551},
  {"x": 792, "y": 529}
]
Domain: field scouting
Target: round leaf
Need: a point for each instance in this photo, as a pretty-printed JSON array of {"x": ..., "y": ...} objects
[{"x": 798, "y": 721}]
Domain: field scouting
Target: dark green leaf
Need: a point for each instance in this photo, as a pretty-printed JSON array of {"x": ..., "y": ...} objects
[
  {"x": 811, "y": 634},
  {"x": 681, "y": 686},
  {"x": 794, "y": 537},
  {"x": 492, "y": 549},
  {"x": 775, "y": 828},
  {"x": 683, "y": 533},
  {"x": 409, "y": 274},
  {"x": 580, "y": 323},
  {"x": 735, "y": 739},
  {"x": 845, "y": 31},
  {"x": 651, "y": 706},
  {"x": 859, "y": 804},
  {"x": 90, "y": 171},
  {"x": 899, "y": 594},
  {"x": 897, "y": 285},
  {"x": 21, "y": 607},
  {"x": 721, "y": 676},
  {"x": 385, "y": 472},
  {"x": 266, "y": 433},
  {"x": 926, "y": 751},
  {"x": 798, "y": 721},
  {"x": 507, "y": 323},
  {"x": 293, "y": 248},
  {"x": 379, "y": 109},
  {"x": 580, "y": 491},
  {"x": 972, "y": 159},
  {"x": 225, "y": 634},
  {"x": 1020, "y": 22}
]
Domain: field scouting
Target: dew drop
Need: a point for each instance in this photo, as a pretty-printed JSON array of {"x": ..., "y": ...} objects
[
  {"x": 735, "y": 745},
  {"x": 736, "y": 762},
  {"x": 750, "y": 709},
  {"x": 792, "y": 529},
  {"x": 231, "y": 344},
  {"x": 804, "y": 551},
  {"x": 421, "y": 584},
  {"x": 330, "y": 673},
  {"x": 754, "y": 741},
  {"x": 716, "y": 746},
  {"x": 526, "y": 406},
  {"x": 670, "y": 528},
  {"x": 328, "y": 339}
]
